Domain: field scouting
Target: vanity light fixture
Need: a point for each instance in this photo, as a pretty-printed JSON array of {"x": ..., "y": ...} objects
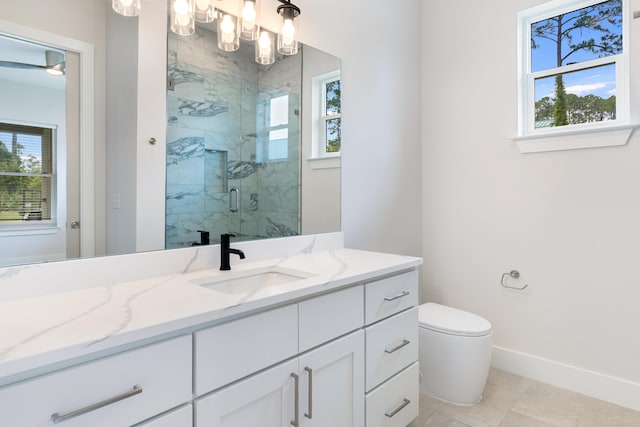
[
  {"x": 182, "y": 17},
  {"x": 185, "y": 13},
  {"x": 205, "y": 12},
  {"x": 227, "y": 27},
  {"x": 249, "y": 28},
  {"x": 265, "y": 49},
  {"x": 287, "y": 38},
  {"x": 126, "y": 7}
]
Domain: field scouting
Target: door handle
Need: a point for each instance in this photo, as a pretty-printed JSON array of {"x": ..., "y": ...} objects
[
  {"x": 296, "y": 400},
  {"x": 234, "y": 199},
  {"x": 309, "y": 414}
]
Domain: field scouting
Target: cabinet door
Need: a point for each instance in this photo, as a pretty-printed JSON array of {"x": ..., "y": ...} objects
[
  {"x": 332, "y": 384},
  {"x": 266, "y": 400}
]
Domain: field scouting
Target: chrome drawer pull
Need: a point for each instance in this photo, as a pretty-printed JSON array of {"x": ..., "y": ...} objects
[
  {"x": 398, "y": 347},
  {"x": 57, "y": 418},
  {"x": 310, "y": 413},
  {"x": 400, "y": 295},
  {"x": 296, "y": 401},
  {"x": 398, "y": 409}
]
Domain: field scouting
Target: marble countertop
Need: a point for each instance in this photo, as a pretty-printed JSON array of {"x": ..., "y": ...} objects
[{"x": 49, "y": 329}]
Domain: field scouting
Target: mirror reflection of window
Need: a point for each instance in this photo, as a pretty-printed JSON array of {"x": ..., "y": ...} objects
[
  {"x": 331, "y": 115},
  {"x": 276, "y": 130},
  {"x": 26, "y": 173},
  {"x": 326, "y": 136},
  {"x": 279, "y": 128}
]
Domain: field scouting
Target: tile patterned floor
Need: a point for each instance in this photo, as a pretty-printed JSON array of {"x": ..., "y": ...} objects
[{"x": 513, "y": 401}]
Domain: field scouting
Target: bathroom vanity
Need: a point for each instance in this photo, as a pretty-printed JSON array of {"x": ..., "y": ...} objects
[{"x": 303, "y": 332}]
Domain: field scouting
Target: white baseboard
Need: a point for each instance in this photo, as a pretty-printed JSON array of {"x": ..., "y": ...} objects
[{"x": 600, "y": 386}]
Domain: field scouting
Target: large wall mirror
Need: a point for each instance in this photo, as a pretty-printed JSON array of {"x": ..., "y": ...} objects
[{"x": 235, "y": 146}]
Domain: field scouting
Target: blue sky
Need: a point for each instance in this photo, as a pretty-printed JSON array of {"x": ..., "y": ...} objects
[{"x": 599, "y": 81}]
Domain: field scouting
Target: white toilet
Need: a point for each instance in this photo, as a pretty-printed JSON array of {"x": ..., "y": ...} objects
[{"x": 455, "y": 353}]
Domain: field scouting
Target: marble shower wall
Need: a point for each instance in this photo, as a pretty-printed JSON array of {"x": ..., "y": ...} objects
[{"x": 214, "y": 130}]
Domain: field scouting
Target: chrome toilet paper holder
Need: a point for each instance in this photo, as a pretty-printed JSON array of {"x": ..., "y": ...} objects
[{"x": 514, "y": 274}]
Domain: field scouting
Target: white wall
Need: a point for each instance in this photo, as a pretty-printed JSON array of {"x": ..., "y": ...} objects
[
  {"x": 121, "y": 135},
  {"x": 568, "y": 221}
]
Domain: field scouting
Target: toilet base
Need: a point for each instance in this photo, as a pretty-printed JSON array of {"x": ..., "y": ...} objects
[{"x": 454, "y": 368}]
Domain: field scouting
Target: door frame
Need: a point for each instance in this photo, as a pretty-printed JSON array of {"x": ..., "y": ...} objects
[{"x": 87, "y": 121}]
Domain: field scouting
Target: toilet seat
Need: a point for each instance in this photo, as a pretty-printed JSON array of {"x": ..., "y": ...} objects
[{"x": 451, "y": 321}]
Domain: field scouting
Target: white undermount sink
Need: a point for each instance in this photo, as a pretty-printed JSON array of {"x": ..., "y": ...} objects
[{"x": 246, "y": 281}]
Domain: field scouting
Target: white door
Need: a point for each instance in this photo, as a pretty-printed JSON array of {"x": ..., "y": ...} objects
[
  {"x": 332, "y": 384},
  {"x": 266, "y": 400}
]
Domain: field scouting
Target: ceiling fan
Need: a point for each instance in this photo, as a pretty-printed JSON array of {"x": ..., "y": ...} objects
[{"x": 54, "y": 60}]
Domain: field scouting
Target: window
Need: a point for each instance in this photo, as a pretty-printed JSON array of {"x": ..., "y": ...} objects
[
  {"x": 572, "y": 67},
  {"x": 274, "y": 141},
  {"x": 326, "y": 139},
  {"x": 26, "y": 173}
]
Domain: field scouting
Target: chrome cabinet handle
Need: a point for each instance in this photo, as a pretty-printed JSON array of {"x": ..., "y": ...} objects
[
  {"x": 398, "y": 347},
  {"x": 400, "y": 295},
  {"x": 296, "y": 401},
  {"x": 398, "y": 409},
  {"x": 57, "y": 418},
  {"x": 310, "y": 413},
  {"x": 234, "y": 199}
]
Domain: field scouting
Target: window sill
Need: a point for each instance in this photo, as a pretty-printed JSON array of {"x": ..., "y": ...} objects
[
  {"x": 332, "y": 162},
  {"x": 576, "y": 139},
  {"x": 18, "y": 229}
]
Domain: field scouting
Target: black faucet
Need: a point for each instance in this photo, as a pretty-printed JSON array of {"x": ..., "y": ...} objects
[
  {"x": 204, "y": 238},
  {"x": 225, "y": 250}
]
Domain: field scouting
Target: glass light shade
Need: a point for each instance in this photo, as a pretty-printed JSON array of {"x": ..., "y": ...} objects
[
  {"x": 126, "y": 7},
  {"x": 227, "y": 26},
  {"x": 249, "y": 28},
  {"x": 287, "y": 38},
  {"x": 205, "y": 12},
  {"x": 183, "y": 17},
  {"x": 265, "y": 49}
]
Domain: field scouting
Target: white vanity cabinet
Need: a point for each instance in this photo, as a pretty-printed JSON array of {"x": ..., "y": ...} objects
[
  {"x": 118, "y": 390},
  {"x": 341, "y": 354},
  {"x": 323, "y": 387},
  {"x": 392, "y": 387}
]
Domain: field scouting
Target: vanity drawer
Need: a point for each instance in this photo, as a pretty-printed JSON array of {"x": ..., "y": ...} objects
[
  {"x": 386, "y": 297},
  {"x": 396, "y": 402},
  {"x": 140, "y": 383},
  {"x": 391, "y": 345},
  {"x": 329, "y": 316},
  {"x": 228, "y": 352}
]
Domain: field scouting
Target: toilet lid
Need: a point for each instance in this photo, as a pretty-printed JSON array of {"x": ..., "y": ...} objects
[{"x": 450, "y": 320}]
